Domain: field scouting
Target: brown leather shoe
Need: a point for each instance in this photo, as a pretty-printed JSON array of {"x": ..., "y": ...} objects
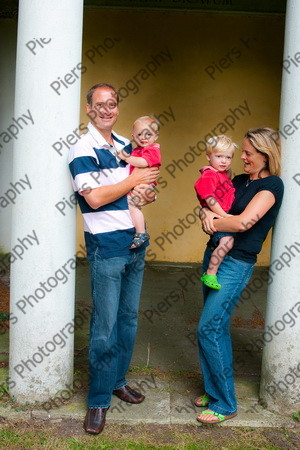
[
  {"x": 129, "y": 395},
  {"x": 95, "y": 420}
]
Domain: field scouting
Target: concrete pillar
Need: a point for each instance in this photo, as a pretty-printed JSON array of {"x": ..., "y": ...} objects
[
  {"x": 8, "y": 37},
  {"x": 47, "y": 103},
  {"x": 280, "y": 383}
]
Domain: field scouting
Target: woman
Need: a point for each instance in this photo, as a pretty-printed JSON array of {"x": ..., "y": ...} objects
[{"x": 258, "y": 197}]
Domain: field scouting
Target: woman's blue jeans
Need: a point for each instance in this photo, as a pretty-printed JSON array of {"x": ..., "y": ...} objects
[
  {"x": 214, "y": 339},
  {"x": 116, "y": 288}
]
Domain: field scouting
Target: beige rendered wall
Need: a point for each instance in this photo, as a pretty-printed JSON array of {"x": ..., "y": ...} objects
[{"x": 201, "y": 74}]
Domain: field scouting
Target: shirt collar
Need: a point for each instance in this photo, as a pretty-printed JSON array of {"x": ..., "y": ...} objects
[
  {"x": 202, "y": 169},
  {"x": 103, "y": 143},
  {"x": 98, "y": 136}
]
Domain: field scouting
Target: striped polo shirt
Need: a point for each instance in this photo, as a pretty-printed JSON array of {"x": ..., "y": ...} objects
[{"x": 93, "y": 163}]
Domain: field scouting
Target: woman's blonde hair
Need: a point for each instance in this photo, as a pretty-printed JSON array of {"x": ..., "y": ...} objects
[
  {"x": 219, "y": 143},
  {"x": 267, "y": 142}
]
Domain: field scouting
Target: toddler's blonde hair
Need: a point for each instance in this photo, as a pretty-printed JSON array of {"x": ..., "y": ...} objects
[{"x": 220, "y": 143}]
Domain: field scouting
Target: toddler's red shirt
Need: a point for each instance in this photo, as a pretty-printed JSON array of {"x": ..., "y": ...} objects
[{"x": 218, "y": 185}]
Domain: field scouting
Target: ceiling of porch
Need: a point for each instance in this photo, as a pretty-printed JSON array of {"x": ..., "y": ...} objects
[{"x": 9, "y": 8}]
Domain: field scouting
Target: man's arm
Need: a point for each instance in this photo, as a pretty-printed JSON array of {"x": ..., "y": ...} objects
[{"x": 106, "y": 194}]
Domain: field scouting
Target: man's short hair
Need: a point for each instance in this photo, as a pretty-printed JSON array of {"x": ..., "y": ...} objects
[{"x": 90, "y": 92}]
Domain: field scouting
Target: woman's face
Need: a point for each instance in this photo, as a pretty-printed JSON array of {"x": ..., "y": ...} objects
[{"x": 254, "y": 161}]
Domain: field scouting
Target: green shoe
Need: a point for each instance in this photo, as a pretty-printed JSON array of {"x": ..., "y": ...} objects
[
  {"x": 218, "y": 417},
  {"x": 211, "y": 281},
  {"x": 202, "y": 401}
]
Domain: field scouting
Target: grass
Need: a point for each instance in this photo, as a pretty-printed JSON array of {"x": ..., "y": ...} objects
[
  {"x": 69, "y": 434},
  {"x": 297, "y": 416},
  {"x": 141, "y": 370},
  {"x": 4, "y": 316}
]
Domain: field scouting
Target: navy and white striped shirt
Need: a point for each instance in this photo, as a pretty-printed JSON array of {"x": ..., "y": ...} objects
[{"x": 93, "y": 163}]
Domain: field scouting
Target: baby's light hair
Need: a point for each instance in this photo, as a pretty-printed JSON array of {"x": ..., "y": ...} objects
[
  {"x": 220, "y": 143},
  {"x": 155, "y": 128}
]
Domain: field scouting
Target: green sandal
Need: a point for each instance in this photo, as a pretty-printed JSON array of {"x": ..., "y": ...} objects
[
  {"x": 219, "y": 417},
  {"x": 202, "y": 401},
  {"x": 211, "y": 281}
]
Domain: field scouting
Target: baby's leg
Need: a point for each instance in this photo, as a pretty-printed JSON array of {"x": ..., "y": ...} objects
[
  {"x": 217, "y": 256},
  {"x": 137, "y": 218}
]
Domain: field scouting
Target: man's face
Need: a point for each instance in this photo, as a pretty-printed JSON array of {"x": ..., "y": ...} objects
[{"x": 104, "y": 110}]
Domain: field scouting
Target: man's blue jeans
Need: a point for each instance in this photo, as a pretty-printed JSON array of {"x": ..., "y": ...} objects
[
  {"x": 116, "y": 288},
  {"x": 214, "y": 340}
]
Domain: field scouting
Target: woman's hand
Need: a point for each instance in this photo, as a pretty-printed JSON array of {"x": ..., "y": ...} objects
[{"x": 207, "y": 218}]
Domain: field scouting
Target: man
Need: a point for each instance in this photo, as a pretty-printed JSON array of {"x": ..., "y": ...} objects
[{"x": 101, "y": 182}]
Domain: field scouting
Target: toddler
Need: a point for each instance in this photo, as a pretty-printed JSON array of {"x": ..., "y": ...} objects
[
  {"x": 215, "y": 191},
  {"x": 147, "y": 154}
]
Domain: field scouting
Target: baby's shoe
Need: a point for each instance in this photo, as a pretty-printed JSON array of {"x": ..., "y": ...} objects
[{"x": 139, "y": 239}]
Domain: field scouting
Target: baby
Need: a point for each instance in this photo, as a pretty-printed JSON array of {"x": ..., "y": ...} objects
[
  {"x": 147, "y": 154},
  {"x": 215, "y": 191}
]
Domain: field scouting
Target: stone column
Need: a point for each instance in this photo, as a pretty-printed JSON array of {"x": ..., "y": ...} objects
[
  {"x": 47, "y": 104},
  {"x": 8, "y": 38},
  {"x": 280, "y": 383}
]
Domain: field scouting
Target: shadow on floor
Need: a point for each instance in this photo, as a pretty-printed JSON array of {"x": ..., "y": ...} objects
[{"x": 170, "y": 306}]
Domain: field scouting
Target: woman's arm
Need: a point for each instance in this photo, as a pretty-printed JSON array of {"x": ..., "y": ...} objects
[
  {"x": 254, "y": 211},
  {"x": 215, "y": 206}
]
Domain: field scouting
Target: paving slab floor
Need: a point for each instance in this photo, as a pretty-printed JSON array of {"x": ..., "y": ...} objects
[{"x": 165, "y": 363}]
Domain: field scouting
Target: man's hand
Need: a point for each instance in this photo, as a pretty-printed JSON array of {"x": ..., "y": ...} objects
[
  {"x": 141, "y": 195},
  {"x": 144, "y": 175},
  {"x": 107, "y": 194}
]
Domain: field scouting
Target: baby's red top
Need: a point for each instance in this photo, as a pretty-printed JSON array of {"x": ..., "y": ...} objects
[
  {"x": 218, "y": 185},
  {"x": 151, "y": 154}
]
